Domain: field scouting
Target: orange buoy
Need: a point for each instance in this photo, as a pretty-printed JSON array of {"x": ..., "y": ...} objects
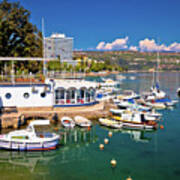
[
  {"x": 110, "y": 134},
  {"x": 89, "y": 128},
  {"x": 161, "y": 127},
  {"x": 113, "y": 163},
  {"x": 101, "y": 146},
  {"x": 106, "y": 140}
]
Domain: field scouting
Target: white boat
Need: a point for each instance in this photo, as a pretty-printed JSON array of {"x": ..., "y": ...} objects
[
  {"x": 120, "y": 77},
  {"x": 29, "y": 140},
  {"x": 148, "y": 115},
  {"x": 82, "y": 121},
  {"x": 128, "y": 94},
  {"x": 108, "y": 83},
  {"x": 156, "y": 105},
  {"x": 125, "y": 104},
  {"x": 135, "y": 121},
  {"x": 110, "y": 123},
  {"x": 132, "y": 77},
  {"x": 67, "y": 122},
  {"x": 103, "y": 95}
]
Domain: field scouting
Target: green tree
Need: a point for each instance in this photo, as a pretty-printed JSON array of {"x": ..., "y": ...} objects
[{"x": 18, "y": 37}]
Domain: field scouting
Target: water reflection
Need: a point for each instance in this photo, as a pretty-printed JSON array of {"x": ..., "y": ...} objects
[
  {"x": 17, "y": 164},
  {"x": 135, "y": 135},
  {"x": 78, "y": 136},
  {"x": 74, "y": 144},
  {"x": 138, "y": 135}
]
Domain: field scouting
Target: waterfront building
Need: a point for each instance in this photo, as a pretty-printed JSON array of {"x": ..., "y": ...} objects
[
  {"x": 59, "y": 46},
  {"x": 74, "y": 92},
  {"x": 51, "y": 93}
]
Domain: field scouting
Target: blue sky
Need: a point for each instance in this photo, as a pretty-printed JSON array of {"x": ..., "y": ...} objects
[{"x": 97, "y": 21}]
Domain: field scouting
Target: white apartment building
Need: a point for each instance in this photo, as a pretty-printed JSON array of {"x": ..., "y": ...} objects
[{"x": 58, "y": 45}]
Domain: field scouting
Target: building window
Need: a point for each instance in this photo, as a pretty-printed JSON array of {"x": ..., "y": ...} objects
[
  {"x": 26, "y": 95},
  {"x": 43, "y": 94},
  {"x": 8, "y": 95},
  {"x": 49, "y": 47}
]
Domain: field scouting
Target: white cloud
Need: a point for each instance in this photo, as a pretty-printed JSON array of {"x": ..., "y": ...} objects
[
  {"x": 117, "y": 44},
  {"x": 100, "y": 45},
  {"x": 174, "y": 47},
  {"x": 148, "y": 45},
  {"x": 151, "y": 45},
  {"x": 144, "y": 45},
  {"x": 133, "y": 48}
]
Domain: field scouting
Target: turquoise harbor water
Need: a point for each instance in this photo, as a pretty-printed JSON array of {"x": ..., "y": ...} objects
[{"x": 139, "y": 154}]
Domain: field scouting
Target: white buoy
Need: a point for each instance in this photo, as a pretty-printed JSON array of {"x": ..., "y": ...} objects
[
  {"x": 113, "y": 163},
  {"x": 110, "y": 134},
  {"x": 106, "y": 140},
  {"x": 101, "y": 146}
]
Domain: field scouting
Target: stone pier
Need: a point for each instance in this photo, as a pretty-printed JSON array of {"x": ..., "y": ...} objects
[{"x": 54, "y": 114}]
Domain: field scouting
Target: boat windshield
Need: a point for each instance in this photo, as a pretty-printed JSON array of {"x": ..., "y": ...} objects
[{"x": 43, "y": 131}]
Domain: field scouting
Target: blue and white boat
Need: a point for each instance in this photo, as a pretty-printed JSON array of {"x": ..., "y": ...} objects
[{"x": 30, "y": 140}]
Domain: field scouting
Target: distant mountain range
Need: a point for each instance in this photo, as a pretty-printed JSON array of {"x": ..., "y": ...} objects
[{"x": 134, "y": 60}]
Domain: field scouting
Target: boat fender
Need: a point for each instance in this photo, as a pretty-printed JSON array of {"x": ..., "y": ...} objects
[
  {"x": 161, "y": 127},
  {"x": 41, "y": 136}
]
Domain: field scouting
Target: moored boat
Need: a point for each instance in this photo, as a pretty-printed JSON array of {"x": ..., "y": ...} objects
[
  {"x": 148, "y": 115},
  {"x": 128, "y": 94},
  {"x": 110, "y": 123},
  {"x": 135, "y": 121},
  {"x": 30, "y": 140},
  {"x": 82, "y": 121},
  {"x": 67, "y": 122}
]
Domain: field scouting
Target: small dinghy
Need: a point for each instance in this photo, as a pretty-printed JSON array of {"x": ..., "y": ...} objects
[
  {"x": 30, "y": 140},
  {"x": 82, "y": 121},
  {"x": 67, "y": 122}
]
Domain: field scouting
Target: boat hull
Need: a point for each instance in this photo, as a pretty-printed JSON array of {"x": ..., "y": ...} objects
[
  {"x": 138, "y": 126},
  {"x": 29, "y": 146},
  {"x": 110, "y": 123}
]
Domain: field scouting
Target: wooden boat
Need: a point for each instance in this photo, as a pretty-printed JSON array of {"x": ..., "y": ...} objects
[
  {"x": 30, "y": 140},
  {"x": 82, "y": 121},
  {"x": 110, "y": 123},
  {"x": 67, "y": 122}
]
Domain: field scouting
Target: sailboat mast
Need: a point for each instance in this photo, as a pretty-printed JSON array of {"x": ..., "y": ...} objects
[
  {"x": 157, "y": 68},
  {"x": 43, "y": 50}
]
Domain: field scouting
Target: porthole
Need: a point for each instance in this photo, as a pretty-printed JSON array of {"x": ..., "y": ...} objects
[
  {"x": 26, "y": 95},
  {"x": 43, "y": 94},
  {"x": 8, "y": 95}
]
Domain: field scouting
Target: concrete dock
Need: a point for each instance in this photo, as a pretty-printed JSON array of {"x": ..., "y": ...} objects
[{"x": 16, "y": 119}]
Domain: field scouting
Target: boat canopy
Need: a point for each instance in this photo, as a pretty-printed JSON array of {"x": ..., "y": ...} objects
[
  {"x": 164, "y": 100},
  {"x": 39, "y": 122},
  {"x": 131, "y": 101}
]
